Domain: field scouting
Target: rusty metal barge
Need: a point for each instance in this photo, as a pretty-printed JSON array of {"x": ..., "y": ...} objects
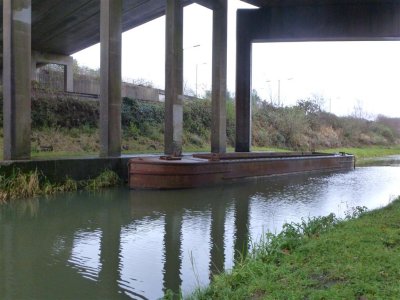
[{"x": 198, "y": 170}]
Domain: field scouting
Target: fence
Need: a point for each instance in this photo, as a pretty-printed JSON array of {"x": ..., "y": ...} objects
[{"x": 52, "y": 77}]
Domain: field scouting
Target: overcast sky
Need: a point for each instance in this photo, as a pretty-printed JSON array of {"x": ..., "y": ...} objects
[{"x": 345, "y": 74}]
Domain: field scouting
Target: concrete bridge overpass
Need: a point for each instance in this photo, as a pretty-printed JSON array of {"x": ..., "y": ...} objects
[{"x": 48, "y": 31}]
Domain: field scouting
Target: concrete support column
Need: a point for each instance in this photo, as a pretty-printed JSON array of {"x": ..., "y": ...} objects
[
  {"x": 174, "y": 78},
  {"x": 17, "y": 78},
  {"x": 110, "y": 81},
  {"x": 69, "y": 76},
  {"x": 243, "y": 89},
  {"x": 219, "y": 59}
]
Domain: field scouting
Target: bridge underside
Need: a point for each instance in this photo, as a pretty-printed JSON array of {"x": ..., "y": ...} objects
[
  {"x": 66, "y": 27},
  {"x": 36, "y": 32},
  {"x": 48, "y": 31}
]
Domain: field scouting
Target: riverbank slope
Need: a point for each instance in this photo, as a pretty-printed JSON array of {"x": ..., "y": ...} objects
[{"x": 354, "y": 259}]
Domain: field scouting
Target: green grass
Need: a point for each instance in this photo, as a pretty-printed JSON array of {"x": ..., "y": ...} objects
[
  {"x": 270, "y": 149},
  {"x": 367, "y": 152},
  {"x": 323, "y": 258},
  {"x": 62, "y": 154}
]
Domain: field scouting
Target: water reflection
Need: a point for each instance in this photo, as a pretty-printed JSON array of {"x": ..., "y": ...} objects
[
  {"x": 85, "y": 253},
  {"x": 137, "y": 244}
]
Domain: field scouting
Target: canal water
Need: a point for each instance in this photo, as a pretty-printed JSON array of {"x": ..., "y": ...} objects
[{"x": 122, "y": 244}]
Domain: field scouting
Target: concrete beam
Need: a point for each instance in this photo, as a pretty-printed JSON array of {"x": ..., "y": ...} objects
[
  {"x": 219, "y": 66},
  {"x": 341, "y": 21},
  {"x": 58, "y": 59},
  {"x": 110, "y": 77},
  {"x": 174, "y": 78},
  {"x": 206, "y": 3},
  {"x": 17, "y": 15},
  {"x": 243, "y": 87}
]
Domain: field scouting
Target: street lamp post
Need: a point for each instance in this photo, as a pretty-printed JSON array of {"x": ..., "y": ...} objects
[
  {"x": 197, "y": 64},
  {"x": 279, "y": 88},
  {"x": 197, "y": 69}
]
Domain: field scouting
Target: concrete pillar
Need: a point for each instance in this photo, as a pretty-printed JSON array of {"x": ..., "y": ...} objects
[
  {"x": 174, "y": 78},
  {"x": 110, "y": 77},
  {"x": 17, "y": 78},
  {"x": 69, "y": 76},
  {"x": 243, "y": 90},
  {"x": 219, "y": 60}
]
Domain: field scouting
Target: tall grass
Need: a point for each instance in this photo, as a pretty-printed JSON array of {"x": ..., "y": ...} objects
[
  {"x": 104, "y": 180},
  {"x": 20, "y": 185}
]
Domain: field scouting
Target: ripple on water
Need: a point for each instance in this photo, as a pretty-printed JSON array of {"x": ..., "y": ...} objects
[
  {"x": 142, "y": 242},
  {"x": 85, "y": 254}
]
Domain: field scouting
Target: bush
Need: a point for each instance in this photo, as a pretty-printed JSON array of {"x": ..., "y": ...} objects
[
  {"x": 197, "y": 117},
  {"x": 140, "y": 113},
  {"x": 230, "y": 122},
  {"x": 302, "y": 127},
  {"x": 61, "y": 111}
]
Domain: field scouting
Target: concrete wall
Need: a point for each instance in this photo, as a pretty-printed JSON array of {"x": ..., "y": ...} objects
[
  {"x": 87, "y": 85},
  {"x": 140, "y": 92},
  {"x": 57, "y": 170},
  {"x": 91, "y": 85}
]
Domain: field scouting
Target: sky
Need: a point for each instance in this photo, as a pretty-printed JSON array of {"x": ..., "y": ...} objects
[{"x": 345, "y": 74}]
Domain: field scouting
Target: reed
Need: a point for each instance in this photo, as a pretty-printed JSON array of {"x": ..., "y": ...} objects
[{"x": 26, "y": 185}]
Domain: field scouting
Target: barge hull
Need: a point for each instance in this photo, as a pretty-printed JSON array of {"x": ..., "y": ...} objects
[{"x": 207, "y": 169}]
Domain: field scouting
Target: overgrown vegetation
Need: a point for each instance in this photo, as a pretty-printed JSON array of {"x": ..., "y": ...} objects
[
  {"x": 307, "y": 127},
  {"x": 320, "y": 258},
  {"x": 28, "y": 185},
  {"x": 63, "y": 124}
]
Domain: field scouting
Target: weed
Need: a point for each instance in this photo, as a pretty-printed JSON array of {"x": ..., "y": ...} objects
[
  {"x": 106, "y": 179},
  {"x": 21, "y": 185}
]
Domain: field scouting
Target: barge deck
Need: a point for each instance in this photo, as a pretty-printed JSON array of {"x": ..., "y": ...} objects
[{"x": 166, "y": 172}]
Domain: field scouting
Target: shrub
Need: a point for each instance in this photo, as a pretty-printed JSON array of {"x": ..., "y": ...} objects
[
  {"x": 197, "y": 117},
  {"x": 61, "y": 111}
]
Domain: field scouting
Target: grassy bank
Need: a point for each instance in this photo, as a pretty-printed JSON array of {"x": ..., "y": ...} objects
[
  {"x": 28, "y": 185},
  {"x": 63, "y": 126},
  {"x": 368, "y": 152},
  {"x": 323, "y": 258}
]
